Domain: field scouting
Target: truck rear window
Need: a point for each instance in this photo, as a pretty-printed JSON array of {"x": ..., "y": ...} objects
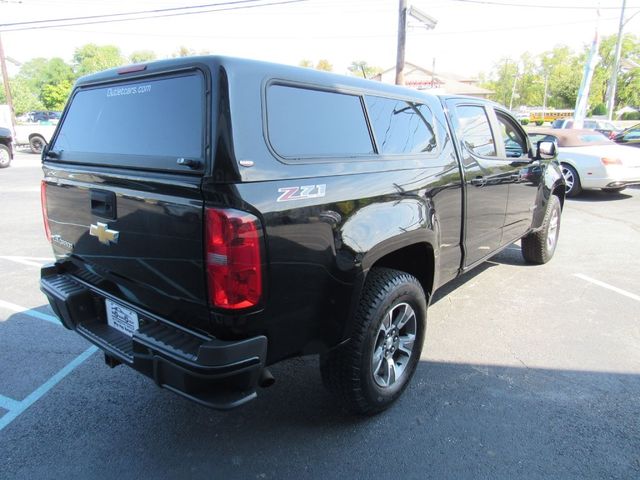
[{"x": 154, "y": 120}]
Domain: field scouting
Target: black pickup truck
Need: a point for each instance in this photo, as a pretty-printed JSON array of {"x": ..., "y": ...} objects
[{"x": 212, "y": 216}]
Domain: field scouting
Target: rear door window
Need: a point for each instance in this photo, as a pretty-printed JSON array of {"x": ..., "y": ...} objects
[
  {"x": 401, "y": 127},
  {"x": 306, "y": 123},
  {"x": 515, "y": 144},
  {"x": 476, "y": 131},
  {"x": 147, "y": 123}
]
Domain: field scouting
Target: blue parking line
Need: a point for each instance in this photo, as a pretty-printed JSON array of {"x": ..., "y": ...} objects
[
  {"x": 42, "y": 316},
  {"x": 8, "y": 403},
  {"x": 18, "y": 407}
]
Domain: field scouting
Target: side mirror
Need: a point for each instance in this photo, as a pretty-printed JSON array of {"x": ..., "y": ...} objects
[{"x": 546, "y": 150}]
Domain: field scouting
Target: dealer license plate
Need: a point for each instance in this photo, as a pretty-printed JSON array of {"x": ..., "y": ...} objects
[{"x": 121, "y": 318}]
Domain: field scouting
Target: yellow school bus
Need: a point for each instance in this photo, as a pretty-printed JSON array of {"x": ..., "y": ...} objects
[{"x": 537, "y": 117}]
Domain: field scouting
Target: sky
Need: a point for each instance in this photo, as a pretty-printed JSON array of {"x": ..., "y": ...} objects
[{"x": 471, "y": 35}]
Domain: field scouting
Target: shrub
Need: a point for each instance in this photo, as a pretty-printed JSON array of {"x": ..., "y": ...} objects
[
  {"x": 599, "y": 109},
  {"x": 539, "y": 122},
  {"x": 524, "y": 121},
  {"x": 631, "y": 116}
]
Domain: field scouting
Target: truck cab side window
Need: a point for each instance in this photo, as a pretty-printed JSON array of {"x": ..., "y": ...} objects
[
  {"x": 515, "y": 144},
  {"x": 306, "y": 123},
  {"x": 475, "y": 130}
]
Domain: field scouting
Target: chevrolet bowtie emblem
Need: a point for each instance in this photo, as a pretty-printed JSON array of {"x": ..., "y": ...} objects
[{"x": 105, "y": 236}]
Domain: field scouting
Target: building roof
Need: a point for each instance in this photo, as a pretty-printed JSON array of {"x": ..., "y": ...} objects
[{"x": 422, "y": 78}]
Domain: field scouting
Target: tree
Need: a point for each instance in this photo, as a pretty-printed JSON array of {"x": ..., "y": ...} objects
[
  {"x": 92, "y": 58},
  {"x": 25, "y": 98},
  {"x": 628, "y": 80},
  {"x": 529, "y": 84},
  {"x": 142, "y": 56},
  {"x": 188, "y": 52},
  {"x": 42, "y": 83},
  {"x": 363, "y": 69},
  {"x": 564, "y": 70},
  {"x": 324, "y": 65},
  {"x": 305, "y": 63},
  {"x": 54, "y": 96},
  {"x": 183, "y": 51},
  {"x": 502, "y": 78},
  {"x": 41, "y": 71},
  {"x": 629, "y": 88}
]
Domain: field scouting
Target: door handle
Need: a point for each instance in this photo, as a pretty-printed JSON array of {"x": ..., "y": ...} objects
[{"x": 478, "y": 181}]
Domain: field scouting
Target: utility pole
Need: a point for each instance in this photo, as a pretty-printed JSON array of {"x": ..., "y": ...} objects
[
  {"x": 544, "y": 97},
  {"x": 613, "y": 82},
  {"x": 5, "y": 81},
  {"x": 402, "y": 40},
  {"x": 513, "y": 90}
]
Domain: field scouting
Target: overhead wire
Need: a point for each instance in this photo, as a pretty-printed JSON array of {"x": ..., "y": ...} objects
[
  {"x": 348, "y": 36},
  {"x": 545, "y": 6},
  {"x": 11, "y": 27},
  {"x": 140, "y": 12}
]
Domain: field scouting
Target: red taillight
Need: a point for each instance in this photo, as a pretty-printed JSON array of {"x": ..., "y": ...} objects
[
  {"x": 131, "y": 69},
  {"x": 234, "y": 261},
  {"x": 45, "y": 216}
]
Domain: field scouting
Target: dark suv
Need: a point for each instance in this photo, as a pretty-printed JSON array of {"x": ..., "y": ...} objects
[{"x": 42, "y": 116}]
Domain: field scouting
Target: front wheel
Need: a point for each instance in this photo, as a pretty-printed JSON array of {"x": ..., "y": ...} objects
[
  {"x": 370, "y": 371},
  {"x": 539, "y": 247}
]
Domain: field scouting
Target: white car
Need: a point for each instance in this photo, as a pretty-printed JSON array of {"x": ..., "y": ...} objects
[
  {"x": 606, "y": 128},
  {"x": 591, "y": 161}
]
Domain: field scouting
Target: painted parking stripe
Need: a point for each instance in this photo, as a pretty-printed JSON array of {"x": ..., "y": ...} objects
[
  {"x": 8, "y": 403},
  {"x": 29, "y": 261},
  {"x": 32, "y": 313},
  {"x": 608, "y": 287},
  {"x": 42, "y": 390}
]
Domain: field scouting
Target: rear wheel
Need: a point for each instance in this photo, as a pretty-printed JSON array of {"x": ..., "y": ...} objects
[
  {"x": 539, "y": 247},
  {"x": 371, "y": 371},
  {"x": 572, "y": 181},
  {"x": 5, "y": 156},
  {"x": 37, "y": 143}
]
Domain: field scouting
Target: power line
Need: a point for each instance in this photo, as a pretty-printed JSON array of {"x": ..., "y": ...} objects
[
  {"x": 329, "y": 36},
  {"x": 141, "y": 15},
  {"x": 528, "y": 5},
  {"x": 141, "y": 12}
]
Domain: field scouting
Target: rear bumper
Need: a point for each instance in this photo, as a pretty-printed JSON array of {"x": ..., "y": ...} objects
[
  {"x": 612, "y": 178},
  {"x": 214, "y": 373}
]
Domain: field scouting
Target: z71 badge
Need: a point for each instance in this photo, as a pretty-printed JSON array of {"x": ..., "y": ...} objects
[{"x": 300, "y": 193}]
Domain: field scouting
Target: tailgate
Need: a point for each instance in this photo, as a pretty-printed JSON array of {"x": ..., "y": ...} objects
[
  {"x": 122, "y": 191},
  {"x": 151, "y": 240}
]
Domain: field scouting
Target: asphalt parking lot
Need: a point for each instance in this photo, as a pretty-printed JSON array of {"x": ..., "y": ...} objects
[{"x": 527, "y": 372}]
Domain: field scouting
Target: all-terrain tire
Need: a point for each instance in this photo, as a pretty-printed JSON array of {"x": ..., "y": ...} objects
[
  {"x": 539, "y": 247},
  {"x": 348, "y": 372}
]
